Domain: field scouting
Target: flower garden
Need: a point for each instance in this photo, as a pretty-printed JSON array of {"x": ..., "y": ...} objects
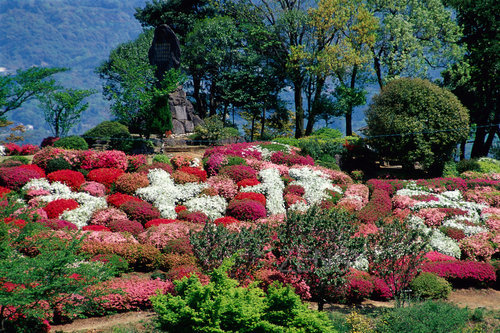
[{"x": 249, "y": 203}]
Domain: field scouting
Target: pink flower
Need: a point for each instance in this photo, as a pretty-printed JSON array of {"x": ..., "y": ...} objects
[{"x": 432, "y": 216}]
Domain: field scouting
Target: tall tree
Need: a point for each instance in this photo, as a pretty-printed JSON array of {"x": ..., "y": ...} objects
[
  {"x": 62, "y": 109},
  {"x": 25, "y": 85},
  {"x": 414, "y": 37},
  {"x": 476, "y": 81}
]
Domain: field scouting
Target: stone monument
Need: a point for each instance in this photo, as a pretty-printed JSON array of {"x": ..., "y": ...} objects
[{"x": 165, "y": 53}]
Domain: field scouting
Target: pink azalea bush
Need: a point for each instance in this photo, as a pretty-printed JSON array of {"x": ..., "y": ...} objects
[
  {"x": 432, "y": 216},
  {"x": 160, "y": 235},
  {"x": 93, "y": 188},
  {"x": 246, "y": 210},
  {"x": 107, "y": 215},
  {"x": 478, "y": 246},
  {"x": 224, "y": 186},
  {"x": 462, "y": 273}
]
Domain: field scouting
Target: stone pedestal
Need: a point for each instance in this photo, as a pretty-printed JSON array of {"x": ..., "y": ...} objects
[{"x": 183, "y": 117}]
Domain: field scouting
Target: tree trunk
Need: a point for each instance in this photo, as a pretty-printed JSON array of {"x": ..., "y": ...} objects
[
  {"x": 462, "y": 150},
  {"x": 321, "y": 305},
  {"x": 478, "y": 146},
  {"x": 253, "y": 126},
  {"x": 350, "y": 107},
  {"x": 299, "y": 109},
  {"x": 200, "y": 105},
  {"x": 262, "y": 123},
  {"x": 315, "y": 106},
  {"x": 213, "y": 106},
  {"x": 378, "y": 71}
]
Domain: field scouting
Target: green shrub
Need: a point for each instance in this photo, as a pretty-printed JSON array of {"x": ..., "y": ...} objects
[
  {"x": 213, "y": 129},
  {"x": 468, "y": 165},
  {"x": 161, "y": 158},
  {"x": 450, "y": 169},
  {"x": 274, "y": 147},
  {"x": 222, "y": 306},
  {"x": 235, "y": 160},
  {"x": 328, "y": 161},
  {"x": 327, "y": 133},
  {"x": 22, "y": 159},
  {"x": 287, "y": 141},
  {"x": 57, "y": 164},
  {"x": 72, "y": 142},
  {"x": 430, "y": 286},
  {"x": 489, "y": 165},
  {"x": 430, "y": 316},
  {"x": 117, "y": 134},
  {"x": 408, "y": 121}
]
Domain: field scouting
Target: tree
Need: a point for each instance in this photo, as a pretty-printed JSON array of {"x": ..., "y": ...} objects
[
  {"x": 413, "y": 120},
  {"x": 62, "y": 109},
  {"x": 476, "y": 80},
  {"x": 414, "y": 36},
  {"x": 320, "y": 246},
  {"x": 25, "y": 85}
]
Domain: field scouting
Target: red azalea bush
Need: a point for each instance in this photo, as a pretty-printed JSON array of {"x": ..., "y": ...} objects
[
  {"x": 108, "y": 159},
  {"x": 359, "y": 286},
  {"x": 129, "y": 182},
  {"x": 55, "y": 208},
  {"x": 46, "y": 154},
  {"x": 16, "y": 177},
  {"x": 4, "y": 191},
  {"x": 267, "y": 276},
  {"x": 141, "y": 211},
  {"x": 245, "y": 210},
  {"x": 140, "y": 257},
  {"x": 179, "y": 161},
  {"x": 463, "y": 273},
  {"x": 291, "y": 199},
  {"x": 49, "y": 141},
  {"x": 294, "y": 189},
  {"x": 12, "y": 149},
  {"x": 118, "y": 199},
  {"x": 453, "y": 233},
  {"x": 196, "y": 217},
  {"x": 95, "y": 228},
  {"x": 379, "y": 206},
  {"x": 105, "y": 176},
  {"x": 184, "y": 178},
  {"x": 381, "y": 290},
  {"x": 163, "y": 166},
  {"x": 126, "y": 225},
  {"x": 157, "y": 222},
  {"x": 238, "y": 172},
  {"x": 388, "y": 185},
  {"x": 180, "y": 208},
  {"x": 280, "y": 157},
  {"x": 29, "y": 149},
  {"x": 251, "y": 196},
  {"x": 136, "y": 161},
  {"x": 135, "y": 293},
  {"x": 73, "y": 179},
  {"x": 200, "y": 173},
  {"x": 247, "y": 182},
  {"x": 93, "y": 188},
  {"x": 34, "y": 167},
  {"x": 436, "y": 256},
  {"x": 226, "y": 220},
  {"x": 180, "y": 272},
  {"x": 57, "y": 224}
]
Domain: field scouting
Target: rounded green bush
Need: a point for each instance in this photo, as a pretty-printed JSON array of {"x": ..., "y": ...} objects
[
  {"x": 327, "y": 133},
  {"x": 116, "y": 133},
  {"x": 489, "y": 165},
  {"x": 57, "y": 164},
  {"x": 21, "y": 159},
  {"x": 430, "y": 286},
  {"x": 72, "y": 142},
  {"x": 160, "y": 158},
  {"x": 413, "y": 120},
  {"x": 468, "y": 165}
]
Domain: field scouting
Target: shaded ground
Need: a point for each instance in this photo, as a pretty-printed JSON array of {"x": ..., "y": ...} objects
[{"x": 142, "y": 321}]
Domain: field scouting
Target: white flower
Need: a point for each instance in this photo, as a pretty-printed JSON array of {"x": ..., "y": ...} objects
[
  {"x": 314, "y": 182},
  {"x": 468, "y": 230},
  {"x": 444, "y": 244},
  {"x": 272, "y": 187},
  {"x": 299, "y": 206},
  {"x": 213, "y": 206}
]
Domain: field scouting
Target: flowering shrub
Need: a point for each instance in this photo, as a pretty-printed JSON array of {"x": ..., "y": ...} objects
[
  {"x": 16, "y": 177},
  {"x": 73, "y": 179},
  {"x": 211, "y": 206},
  {"x": 105, "y": 176},
  {"x": 93, "y": 188},
  {"x": 179, "y": 161},
  {"x": 478, "y": 247},
  {"x": 46, "y": 154},
  {"x": 485, "y": 195},
  {"x": 49, "y": 141},
  {"x": 436, "y": 256},
  {"x": 432, "y": 216},
  {"x": 453, "y": 233},
  {"x": 292, "y": 199},
  {"x": 12, "y": 149},
  {"x": 247, "y": 182},
  {"x": 55, "y": 208},
  {"x": 238, "y": 172},
  {"x": 245, "y": 210},
  {"x": 160, "y": 235},
  {"x": 251, "y": 196},
  {"x": 140, "y": 211},
  {"x": 225, "y": 187},
  {"x": 199, "y": 173},
  {"x": 118, "y": 199},
  {"x": 462, "y": 273},
  {"x": 184, "y": 178},
  {"x": 214, "y": 162},
  {"x": 180, "y": 208},
  {"x": 157, "y": 222},
  {"x": 381, "y": 290},
  {"x": 135, "y": 293},
  {"x": 129, "y": 182},
  {"x": 236, "y": 149},
  {"x": 108, "y": 159},
  {"x": 163, "y": 166},
  {"x": 29, "y": 149},
  {"x": 136, "y": 161},
  {"x": 57, "y": 224},
  {"x": 268, "y": 276},
  {"x": 95, "y": 228},
  {"x": 280, "y": 157},
  {"x": 226, "y": 220},
  {"x": 295, "y": 190},
  {"x": 358, "y": 287},
  {"x": 173, "y": 260},
  {"x": 4, "y": 191},
  {"x": 379, "y": 206},
  {"x": 34, "y": 167},
  {"x": 126, "y": 225},
  {"x": 105, "y": 216}
]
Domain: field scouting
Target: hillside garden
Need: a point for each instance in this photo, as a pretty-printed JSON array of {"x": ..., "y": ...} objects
[{"x": 237, "y": 240}]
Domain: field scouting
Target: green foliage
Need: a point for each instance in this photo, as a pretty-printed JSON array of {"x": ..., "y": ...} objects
[
  {"x": 222, "y": 306},
  {"x": 430, "y": 286},
  {"x": 63, "y": 108},
  {"x": 327, "y": 133},
  {"x": 72, "y": 142},
  {"x": 436, "y": 317},
  {"x": 56, "y": 164},
  {"x": 235, "y": 160},
  {"x": 310, "y": 243},
  {"x": 274, "y": 147},
  {"x": 22, "y": 159},
  {"x": 468, "y": 165},
  {"x": 413, "y": 120},
  {"x": 117, "y": 134},
  {"x": 450, "y": 169},
  {"x": 212, "y": 130},
  {"x": 160, "y": 158},
  {"x": 489, "y": 165},
  {"x": 395, "y": 252}
]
